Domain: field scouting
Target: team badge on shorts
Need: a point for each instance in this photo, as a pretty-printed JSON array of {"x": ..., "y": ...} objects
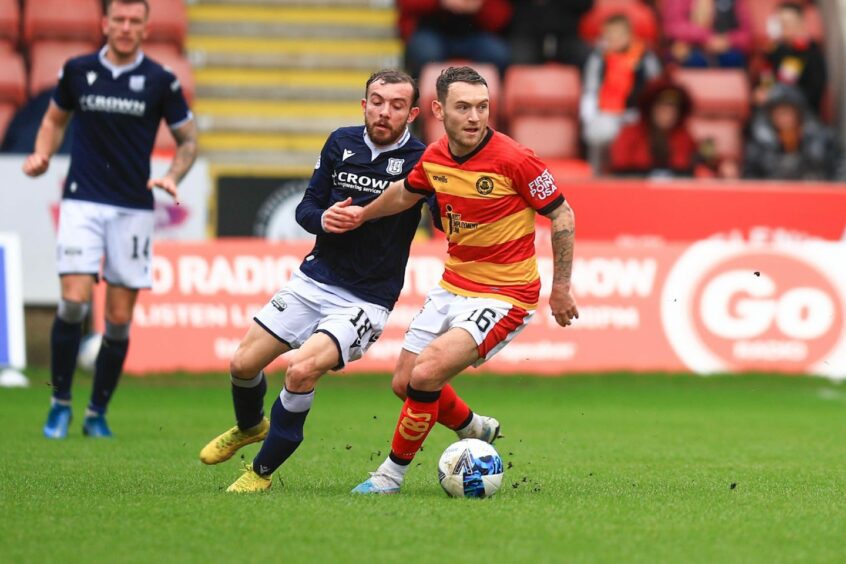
[
  {"x": 484, "y": 185},
  {"x": 136, "y": 83},
  {"x": 394, "y": 166},
  {"x": 278, "y": 302}
]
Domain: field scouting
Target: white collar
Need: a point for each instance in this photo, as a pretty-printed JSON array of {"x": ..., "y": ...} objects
[
  {"x": 119, "y": 70},
  {"x": 376, "y": 150}
]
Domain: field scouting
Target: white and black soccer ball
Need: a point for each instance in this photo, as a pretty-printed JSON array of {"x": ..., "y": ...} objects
[{"x": 470, "y": 468}]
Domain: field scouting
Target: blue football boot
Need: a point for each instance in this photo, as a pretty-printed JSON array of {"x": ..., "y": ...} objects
[
  {"x": 96, "y": 426},
  {"x": 58, "y": 421}
]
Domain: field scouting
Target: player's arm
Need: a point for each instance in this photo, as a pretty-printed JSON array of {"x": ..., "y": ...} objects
[
  {"x": 395, "y": 199},
  {"x": 186, "y": 153},
  {"x": 48, "y": 141},
  {"x": 561, "y": 300}
]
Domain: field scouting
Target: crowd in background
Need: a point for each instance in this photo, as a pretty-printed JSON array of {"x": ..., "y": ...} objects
[{"x": 633, "y": 114}]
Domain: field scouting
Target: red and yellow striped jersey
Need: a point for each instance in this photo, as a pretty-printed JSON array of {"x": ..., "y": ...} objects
[{"x": 487, "y": 200}]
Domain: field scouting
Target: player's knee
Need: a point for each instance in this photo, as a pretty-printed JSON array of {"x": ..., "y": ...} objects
[
  {"x": 301, "y": 376},
  {"x": 119, "y": 316},
  {"x": 399, "y": 386},
  {"x": 425, "y": 375},
  {"x": 241, "y": 367}
]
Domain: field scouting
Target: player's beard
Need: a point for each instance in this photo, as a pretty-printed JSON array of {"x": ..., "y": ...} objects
[{"x": 382, "y": 137}]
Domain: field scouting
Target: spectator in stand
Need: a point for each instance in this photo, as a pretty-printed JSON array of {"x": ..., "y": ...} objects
[
  {"x": 795, "y": 59},
  {"x": 787, "y": 142},
  {"x": 659, "y": 143},
  {"x": 548, "y": 31},
  {"x": 439, "y": 30},
  {"x": 707, "y": 33},
  {"x": 614, "y": 77}
]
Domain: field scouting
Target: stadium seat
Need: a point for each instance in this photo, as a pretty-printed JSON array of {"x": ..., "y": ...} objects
[
  {"x": 168, "y": 56},
  {"x": 12, "y": 78},
  {"x": 168, "y": 22},
  {"x": 720, "y": 93},
  {"x": 762, "y": 16},
  {"x": 551, "y": 137},
  {"x": 726, "y": 134},
  {"x": 569, "y": 169},
  {"x": 541, "y": 89},
  {"x": 7, "y": 111},
  {"x": 10, "y": 21},
  {"x": 63, "y": 19},
  {"x": 429, "y": 75},
  {"x": 48, "y": 57},
  {"x": 643, "y": 19}
]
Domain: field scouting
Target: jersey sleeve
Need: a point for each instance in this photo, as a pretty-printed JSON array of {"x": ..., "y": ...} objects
[
  {"x": 536, "y": 185},
  {"x": 417, "y": 181},
  {"x": 316, "y": 199},
  {"x": 176, "y": 111},
  {"x": 63, "y": 94}
]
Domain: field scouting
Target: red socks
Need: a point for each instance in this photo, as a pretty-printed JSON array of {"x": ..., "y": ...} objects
[{"x": 419, "y": 414}]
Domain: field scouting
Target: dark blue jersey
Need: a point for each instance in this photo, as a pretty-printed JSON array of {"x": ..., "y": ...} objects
[
  {"x": 370, "y": 261},
  {"x": 117, "y": 111}
]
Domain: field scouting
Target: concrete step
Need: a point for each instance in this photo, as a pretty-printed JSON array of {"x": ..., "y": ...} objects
[
  {"x": 381, "y": 4},
  {"x": 304, "y": 143},
  {"x": 254, "y": 162},
  {"x": 219, "y": 51},
  {"x": 267, "y": 117},
  {"x": 281, "y": 84},
  {"x": 292, "y": 22}
]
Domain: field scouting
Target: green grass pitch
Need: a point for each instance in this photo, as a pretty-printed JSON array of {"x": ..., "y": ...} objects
[{"x": 615, "y": 468}]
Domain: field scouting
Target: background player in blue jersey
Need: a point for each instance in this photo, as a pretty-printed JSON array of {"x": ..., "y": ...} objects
[{"x": 118, "y": 97}]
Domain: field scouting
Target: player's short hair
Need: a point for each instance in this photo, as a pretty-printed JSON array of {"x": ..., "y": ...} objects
[
  {"x": 618, "y": 19},
  {"x": 456, "y": 74},
  {"x": 394, "y": 76},
  {"x": 107, "y": 4},
  {"x": 794, "y": 7}
]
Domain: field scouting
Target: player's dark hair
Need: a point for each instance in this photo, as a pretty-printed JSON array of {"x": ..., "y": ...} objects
[
  {"x": 794, "y": 7},
  {"x": 618, "y": 19},
  {"x": 108, "y": 3},
  {"x": 456, "y": 74},
  {"x": 394, "y": 76}
]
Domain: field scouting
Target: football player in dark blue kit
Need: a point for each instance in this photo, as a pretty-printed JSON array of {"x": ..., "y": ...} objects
[{"x": 117, "y": 97}]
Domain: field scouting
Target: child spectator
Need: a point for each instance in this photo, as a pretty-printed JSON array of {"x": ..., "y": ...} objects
[
  {"x": 439, "y": 30},
  {"x": 548, "y": 31},
  {"x": 614, "y": 77},
  {"x": 795, "y": 59},
  {"x": 707, "y": 33},
  {"x": 788, "y": 143}
]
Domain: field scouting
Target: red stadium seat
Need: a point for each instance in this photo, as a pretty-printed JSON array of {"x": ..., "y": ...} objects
[
  {"x": 12, "y": 78},
  {"x": 7, "y": 112},
  {"x": 551, "y": 137},
  {"x": 168, "y": 56},
  {"x": 48, "y": 57},
  {"x": 726, "y": 134},
  {"x": 569, "y": 169},
  {"x": 643, "y": 19},
  {"x": 10, "y": 21},
  {"x": 541, "y": 89},
  {"x": 428, "y": 77},
  {"x": 720, "y": 93},
  {"x": 168, "y": 22},
  {"x": 63, "y": 19}
]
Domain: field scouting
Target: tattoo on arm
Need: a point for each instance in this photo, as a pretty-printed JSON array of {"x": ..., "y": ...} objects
[
  {"x": 563, "y": 240},
  {"x": 186, "y": 150}
]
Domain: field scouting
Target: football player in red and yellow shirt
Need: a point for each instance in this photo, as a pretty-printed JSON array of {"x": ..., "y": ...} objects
[{"x": 488, "y": 189}]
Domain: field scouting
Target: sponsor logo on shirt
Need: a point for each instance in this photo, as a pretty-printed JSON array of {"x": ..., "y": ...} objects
[
  {"x": 543, "y": 186},
  {"x": 112, "y": 105},
  {"x": 439, "y": 178},
  {"x": 347, "y": 154},
  {"x": 455, "y": 225},
  {"x": 360, "y": 182}
]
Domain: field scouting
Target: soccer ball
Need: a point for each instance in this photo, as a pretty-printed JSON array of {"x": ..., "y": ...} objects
[{"x": 470, "y": 468}]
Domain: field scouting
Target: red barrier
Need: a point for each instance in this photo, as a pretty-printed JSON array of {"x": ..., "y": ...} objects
[{"x": 708, "y": 307}]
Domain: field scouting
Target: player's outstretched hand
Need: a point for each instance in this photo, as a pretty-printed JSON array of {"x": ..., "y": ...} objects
[
  {"x": 342, "y": 217},
  {"x": 36, "y": 165},
  {"x": 563, "y": 305},
  {"x": 167, "y": 184}
]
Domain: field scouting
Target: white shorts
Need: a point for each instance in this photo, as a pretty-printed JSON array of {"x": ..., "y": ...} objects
[
  {"x": 492, "y": 323},
  {"x": 306, "y": 306},
  {"x": 90, "y": 232}
]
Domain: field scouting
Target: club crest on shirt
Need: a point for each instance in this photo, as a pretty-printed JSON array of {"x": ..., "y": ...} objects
[
  {"x": 395, "y": 166},
  {"x": 136, "y": 83},
  {"x": 484, "y": 185},
  {"x": 90, "y": 77}
]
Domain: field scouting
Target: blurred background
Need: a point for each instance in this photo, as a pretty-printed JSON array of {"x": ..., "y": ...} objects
[{"x": 700, "y": 143}]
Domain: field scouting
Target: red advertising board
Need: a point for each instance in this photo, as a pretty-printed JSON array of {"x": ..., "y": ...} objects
[{"x": 711, "y": 306}]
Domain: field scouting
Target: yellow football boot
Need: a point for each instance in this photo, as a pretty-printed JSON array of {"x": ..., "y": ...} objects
[
  {"x": 250, "y": 482},
  {"x": 227, "y": 444}
]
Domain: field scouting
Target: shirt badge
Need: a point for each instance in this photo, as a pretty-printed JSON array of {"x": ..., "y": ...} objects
[
  {"x": 136, "y": 83},
  {"x": 90, "y": 76},
  {"x": 394, "y": 166}
]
